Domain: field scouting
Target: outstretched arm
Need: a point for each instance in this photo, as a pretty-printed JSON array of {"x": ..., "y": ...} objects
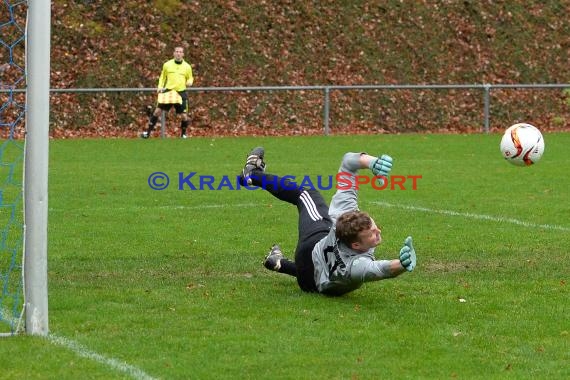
[
  {"x": 345, "y": 198},
  {"x": 365, "y": 160},
  {"x": 374, "y": 270}
]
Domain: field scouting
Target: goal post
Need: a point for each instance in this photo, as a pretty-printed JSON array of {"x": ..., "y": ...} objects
[
  {"x": 24, "y": 156},
  {"x": 36, "y": 166}
]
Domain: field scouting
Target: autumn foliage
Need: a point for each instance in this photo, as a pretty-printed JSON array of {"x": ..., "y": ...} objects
[{"x": 122, "y": 44}]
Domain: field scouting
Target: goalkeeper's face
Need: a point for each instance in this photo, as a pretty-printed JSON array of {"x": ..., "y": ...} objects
[
  {"x": 178, "y": 54},
  {"x": 358, "y": 230},
  {"x": 368, "y": 238}
]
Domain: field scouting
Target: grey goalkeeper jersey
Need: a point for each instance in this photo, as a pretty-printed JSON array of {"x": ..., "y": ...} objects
[{"x": 338, "y": 268}]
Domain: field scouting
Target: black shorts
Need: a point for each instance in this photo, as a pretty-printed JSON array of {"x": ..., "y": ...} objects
[
  {"x": 314, "y": 224},
  {"x": 304, "y": 260},
  {"x": 179, "y": 107}
]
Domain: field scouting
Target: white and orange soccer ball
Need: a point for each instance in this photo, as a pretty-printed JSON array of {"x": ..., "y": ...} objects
[{"x": 522, "y": 144}]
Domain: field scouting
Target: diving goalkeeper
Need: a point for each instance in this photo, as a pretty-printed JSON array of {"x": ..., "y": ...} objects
[
  {"x": 335, "y": 248},
  {"x": 175, "y": 77}
]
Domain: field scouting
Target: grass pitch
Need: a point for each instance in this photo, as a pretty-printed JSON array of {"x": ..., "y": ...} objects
[{"x": 169, "y": 284}]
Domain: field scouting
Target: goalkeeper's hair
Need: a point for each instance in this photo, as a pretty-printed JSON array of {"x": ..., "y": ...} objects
[{"x": 350, "y": 224}]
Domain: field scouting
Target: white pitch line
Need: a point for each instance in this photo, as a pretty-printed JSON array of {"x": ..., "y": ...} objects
[
  {"x": 84, "y": 352},
  {"x": 167, "y": 207},
  {"x": 469, "y": 215},
  {"x": 474, "y": 216},
  {"x": 206, "y": 206}
]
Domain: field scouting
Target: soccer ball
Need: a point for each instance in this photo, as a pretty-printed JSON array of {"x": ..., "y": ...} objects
[{"x": 522, "y": 144}]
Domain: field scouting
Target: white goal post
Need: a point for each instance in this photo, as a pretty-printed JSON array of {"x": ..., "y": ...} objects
[{"x": 36, "y": 166}]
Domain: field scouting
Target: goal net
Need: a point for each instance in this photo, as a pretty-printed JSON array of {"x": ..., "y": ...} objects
[{"x": 12, "y": 118}]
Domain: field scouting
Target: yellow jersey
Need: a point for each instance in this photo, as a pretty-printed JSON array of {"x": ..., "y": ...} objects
[{"x": 176, "y": 75}]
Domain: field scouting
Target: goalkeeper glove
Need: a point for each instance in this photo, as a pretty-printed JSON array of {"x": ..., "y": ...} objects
[
  {"x": 381, "y": 166},
  {"x": 408, "y": 255}
]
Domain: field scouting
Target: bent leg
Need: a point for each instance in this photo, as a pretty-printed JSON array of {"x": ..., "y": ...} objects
[{"x": 280, "y": 187}]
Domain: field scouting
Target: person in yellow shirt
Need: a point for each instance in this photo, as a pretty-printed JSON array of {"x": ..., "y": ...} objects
[{"x": 175, "y": 77}]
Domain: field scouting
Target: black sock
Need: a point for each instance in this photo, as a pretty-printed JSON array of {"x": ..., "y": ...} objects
[
  {"x": 184, "y": 125},
  {"x": 152, "y": 123},
  {"x": 288, "y": 267}
]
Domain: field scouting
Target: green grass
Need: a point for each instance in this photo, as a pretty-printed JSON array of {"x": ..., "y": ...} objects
[{"x": 170, "y": 283}]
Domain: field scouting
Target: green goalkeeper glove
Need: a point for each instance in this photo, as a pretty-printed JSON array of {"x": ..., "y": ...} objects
[
  {"x": 381, "y": 166},
  {"x": 408, "y": 255}
]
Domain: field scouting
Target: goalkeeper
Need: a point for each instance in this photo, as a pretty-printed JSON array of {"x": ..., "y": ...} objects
[
  {"x": 175, "y": 77},
  {"x": 335, "y": 248}
]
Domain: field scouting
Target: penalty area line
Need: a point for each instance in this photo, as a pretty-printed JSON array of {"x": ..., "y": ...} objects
[
  {"x": 166, "y": 207},
  {"x": 112, "y": 363},
  {"x": 84, "y": 352},
  {"x": 469, "y": 215}
]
